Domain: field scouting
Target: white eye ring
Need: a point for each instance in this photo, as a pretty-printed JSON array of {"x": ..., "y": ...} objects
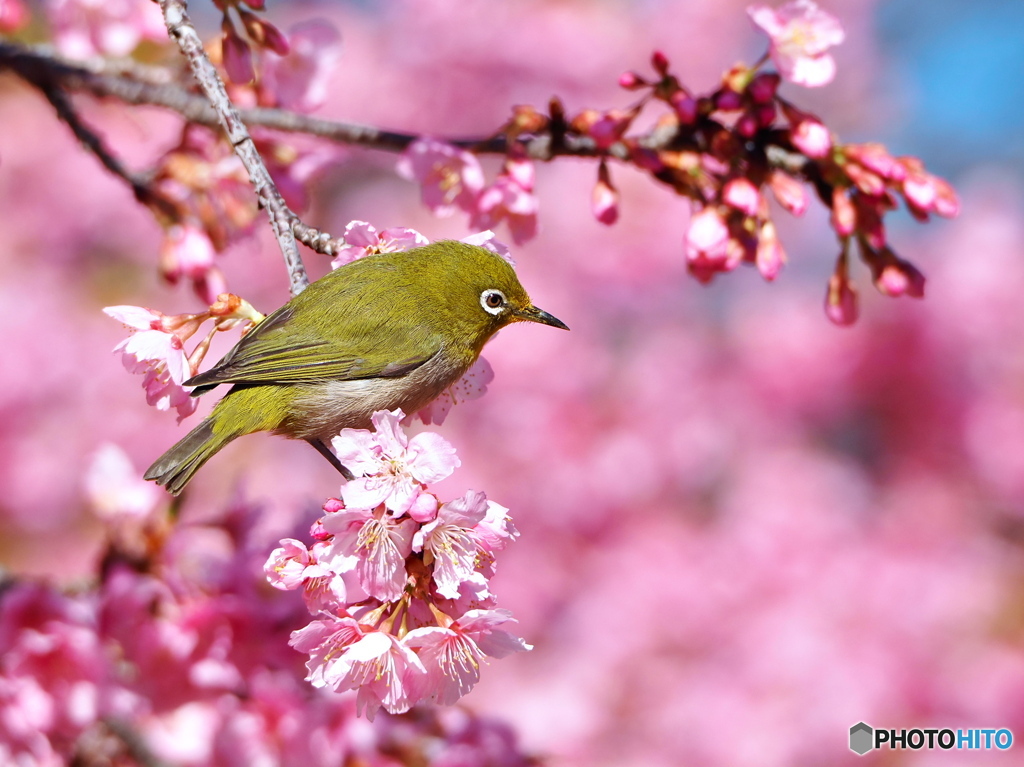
[{"x": 493, "y": 301}]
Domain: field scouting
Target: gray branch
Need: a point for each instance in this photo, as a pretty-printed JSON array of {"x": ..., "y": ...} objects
[{"x": 181, "y": 30}]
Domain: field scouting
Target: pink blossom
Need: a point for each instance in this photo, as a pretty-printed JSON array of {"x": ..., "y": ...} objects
[
  {"x": 741, "y": 194},
  {"x": 472, "y": 385},
  {"x": 292, "y": 566},
  {"x": 389, "y": 467},
  {"x": 84, "y": 28},
  {"x": 452, "y": 656},
  {"x": 343, "y": 656},
  {"x": 157, "y": 354},
  {"x": 451, "y": 543},
  {"x": 373, "y": 544},
  {"x": 450, "y": 177},
  {"x": 300, "y": 80},
  {"x": 186, "y": 251},
  {"x": 801, "y": 34},
  {"x": 362, "y": 239},
  {"x": 116, "y": 489},
  {"x": 487, "y": 239},
  {"x": 707, "y": 245},
  {"x": 510, "y": 198}
]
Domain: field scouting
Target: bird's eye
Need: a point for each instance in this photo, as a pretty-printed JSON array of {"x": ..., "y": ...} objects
[{"x": 493, "y": 301}]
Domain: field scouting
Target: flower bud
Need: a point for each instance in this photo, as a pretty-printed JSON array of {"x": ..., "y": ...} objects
[
  {"x": 788, "y": 191},
  {"x": 741, "y": 194},
  {"x": 660, "y": 63},
  {"x": 631, "y": 81},
  {"x": 770, "y": 255},
  {"x": 605, "y": 198},
  {"x": 841, "y": 299},
  {"x": 844, "y": 215}
]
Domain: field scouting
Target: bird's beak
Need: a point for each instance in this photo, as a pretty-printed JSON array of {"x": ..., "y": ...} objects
[{"x": 533, "y": 314}]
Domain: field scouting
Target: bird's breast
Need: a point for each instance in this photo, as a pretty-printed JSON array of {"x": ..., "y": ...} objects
[{"x": 322, "y": 409}]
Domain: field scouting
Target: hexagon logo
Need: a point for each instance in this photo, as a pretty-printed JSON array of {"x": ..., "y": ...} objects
[{"x": 861, "y": 736}]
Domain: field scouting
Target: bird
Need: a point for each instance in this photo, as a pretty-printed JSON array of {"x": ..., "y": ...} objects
[{"x": 387, "y": 331}]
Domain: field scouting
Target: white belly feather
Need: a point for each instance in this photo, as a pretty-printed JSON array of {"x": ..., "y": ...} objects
[{"x": 324, "y": 409}]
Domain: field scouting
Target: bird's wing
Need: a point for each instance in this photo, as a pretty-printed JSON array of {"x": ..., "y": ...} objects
[{"x": 282, "y": 350}]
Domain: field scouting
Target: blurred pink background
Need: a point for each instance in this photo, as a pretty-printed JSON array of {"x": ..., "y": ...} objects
[{"x": 743, "y": 529}]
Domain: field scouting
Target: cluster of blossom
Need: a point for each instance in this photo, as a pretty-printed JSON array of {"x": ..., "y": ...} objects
[
  {"x": 199, "y": 190},
  {"x": 174, "y": 657},
  {"x": 398, "y": 580},
  {"x": 724, "y": 151},
  {"x": 156, "y": 347}
]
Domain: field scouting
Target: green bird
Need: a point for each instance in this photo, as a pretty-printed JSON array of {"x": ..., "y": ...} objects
[{"x": 387, "y": 331}]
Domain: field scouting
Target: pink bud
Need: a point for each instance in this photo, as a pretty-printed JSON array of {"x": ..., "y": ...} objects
[
  {"x": 898, "y": 277},
  {"x": 765, "y": 115},
  {"x": 609, "y": 127},
  {"x": 788, "y": 191},
  {"x": 770, "y": 256},
  {"x": 841, "y": 300},
  {"x": 660, "y": 63},
  {"x": 740, "y": 193},
  {"x": 236, "y": 54},
  {"x": 812, "y": 138},
  {"x": 685, "y": 106},
  {"x": 631, "y": 81},
  {"x": 747, "y": 125},
  {"x": 844, "y": 215},
  {"x": 274, "y": 39},
  {"x": 728, "y": 101},
  {"x": 947, "y": 204},
  {"x": 762, "y": 88},
  {"x": 869, "y": 219},
  {"x": 868, "y": 182},
  {"x": 605, "y": 198},
  {"x": 875, "y": 158}
]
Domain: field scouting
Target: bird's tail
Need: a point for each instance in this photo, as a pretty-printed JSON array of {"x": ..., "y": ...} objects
[{"x": 175, "y": 468}]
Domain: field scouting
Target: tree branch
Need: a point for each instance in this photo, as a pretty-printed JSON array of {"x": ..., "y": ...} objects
[{"x": 181, "y": 30}]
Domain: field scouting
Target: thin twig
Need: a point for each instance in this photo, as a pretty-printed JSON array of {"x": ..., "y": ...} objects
[
  {"x": 139, "y": 184},
  {"x": 180, "y": 28}
]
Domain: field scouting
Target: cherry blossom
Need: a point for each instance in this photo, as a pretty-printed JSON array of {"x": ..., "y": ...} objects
[
  {"x": 157, "y": 354},
  {"x": 452, "y": 656},
  {"x": 299, "y": 80},
  {"x": 373, "y": 543},
  {"x": 801, "y": 34},
  {"x": 84, "y": 28},
  {"x": 362, "y": 239},
  {"x": 450, "y": 178},
  {"x": 472, "y": 385},
  {"x": 389, "y": 467}
]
